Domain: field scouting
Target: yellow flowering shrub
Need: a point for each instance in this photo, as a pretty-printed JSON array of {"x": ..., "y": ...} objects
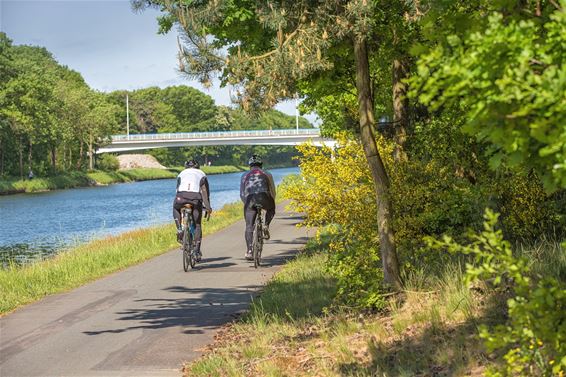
[
  {"x": 336, "y": 192},
  {"x": 527, "y": 211}
]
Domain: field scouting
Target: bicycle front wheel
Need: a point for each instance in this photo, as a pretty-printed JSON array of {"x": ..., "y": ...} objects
[
  {"x": 187, "y": 250},
  {"x": 257, "y": 245}
]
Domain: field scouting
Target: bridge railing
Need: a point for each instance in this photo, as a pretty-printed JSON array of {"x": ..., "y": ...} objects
[{"x": 217, "y": 134}]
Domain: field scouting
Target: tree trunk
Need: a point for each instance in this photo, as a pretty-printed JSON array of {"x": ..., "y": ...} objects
[
  {"x": 65, "y": 166},
  {"x": 379, "y": 175},
  {"x": 90, "y": 154},
  {"x": 400, "y": 108},
  {"x": 80, "y": 160},
  {"x": 30, "y": 151},
  {"x": 54, "y": 158},
  {"x": 1, "y": 158},
  {"x": 21, "y": 153}
]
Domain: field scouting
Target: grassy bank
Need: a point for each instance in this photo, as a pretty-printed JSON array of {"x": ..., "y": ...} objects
[
  {"x": 77, "y": 266},
  {"x": 130, "y": 175},
  {"x": 287, "y": 331},
  {"x": 80, "y": 179},
  {"x": 68, "y": 180},
  {"x": 295, "y": 329},
  {"x": 214, "y": 169},
  {"x": 97, "y": 177}
]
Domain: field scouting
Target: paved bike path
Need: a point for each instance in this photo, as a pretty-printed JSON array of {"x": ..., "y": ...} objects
[{"x": 147, "y": 319}]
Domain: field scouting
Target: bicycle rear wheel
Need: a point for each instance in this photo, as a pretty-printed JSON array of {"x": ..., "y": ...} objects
[
  {"x": 257, "y": 244},
  {"x": 187, "y": 241},
  {"x": 192, "y": 256}
]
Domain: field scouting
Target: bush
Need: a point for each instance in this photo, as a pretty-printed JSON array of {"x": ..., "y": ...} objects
[
  {"x": 527, "y": 211},
  {"x": 534, "y": 337},
  {"x": 336, "y": 189},
  {"x": 108, "y": 162}
]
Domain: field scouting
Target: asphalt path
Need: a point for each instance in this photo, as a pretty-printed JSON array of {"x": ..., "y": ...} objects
[{"x": 148, "y": 319}]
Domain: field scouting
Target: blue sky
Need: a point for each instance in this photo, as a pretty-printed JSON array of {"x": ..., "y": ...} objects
[{"x": 109, "y": 44}]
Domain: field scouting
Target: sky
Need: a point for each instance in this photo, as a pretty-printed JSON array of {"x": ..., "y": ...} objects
[{"x": 111, "y": 46}]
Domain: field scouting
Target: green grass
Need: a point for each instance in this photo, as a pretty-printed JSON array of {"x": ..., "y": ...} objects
[
  {"x": 289, "y": 302},
  {"x": 214, "y": 169},
  {"x": 68, "y": 180},
  {"x": 296, "y": 328},
  {"x": 98, "y": 177},
  {"x": 77, "y": 266}
]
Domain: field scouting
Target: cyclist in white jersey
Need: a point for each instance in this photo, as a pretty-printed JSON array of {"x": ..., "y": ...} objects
[{"x": 192, "y": 188}]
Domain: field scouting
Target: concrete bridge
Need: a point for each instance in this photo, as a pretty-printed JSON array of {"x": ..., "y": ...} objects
[{"x": 121, "y": 143}]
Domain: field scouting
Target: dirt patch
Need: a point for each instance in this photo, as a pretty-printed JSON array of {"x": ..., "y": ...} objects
[{"x": 133, "y": 161}]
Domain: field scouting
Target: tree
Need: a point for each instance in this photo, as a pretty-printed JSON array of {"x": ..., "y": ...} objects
[
  {"x": 267, "y": 48},
  {"x": 7, "y": 72},
  {"x": 102, "y": 120},
  {"x": 507, "y": 75}
]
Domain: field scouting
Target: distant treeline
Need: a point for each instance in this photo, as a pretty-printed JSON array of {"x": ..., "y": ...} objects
[
  {"x": 186, "y": 109},
  {"x": 51, "y": 120}
]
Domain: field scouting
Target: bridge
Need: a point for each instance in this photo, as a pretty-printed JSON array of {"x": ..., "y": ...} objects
[{"x": 121, "y": 143}]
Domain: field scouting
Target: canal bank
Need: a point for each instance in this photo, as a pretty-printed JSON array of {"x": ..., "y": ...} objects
[
  {"x": 77, "y": 179},
  {"x": 37, "y": 226},
  {"x": 76, "y": 266}
]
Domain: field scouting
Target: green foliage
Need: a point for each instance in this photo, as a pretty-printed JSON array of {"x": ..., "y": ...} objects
[
  {"x": 528, "y": 212},
  {"x": 51, "y": 121},
  {"x": 49, "y": 118},
  {"x": 534, "y": 338},
  {"x": 336, "y": 189},
  {"x": 509, "y": 79},
  {"x": 108, "y": 162}
]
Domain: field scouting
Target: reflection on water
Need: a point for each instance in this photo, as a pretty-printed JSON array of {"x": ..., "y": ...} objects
[{"x": 35, "y": 226}]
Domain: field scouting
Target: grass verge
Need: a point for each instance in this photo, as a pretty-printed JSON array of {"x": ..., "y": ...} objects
[
  {"x": 68, "y": 180},
  {"x": 98, "y": 177},
  {"x": 130, "y": 175},
  {"x": 77, "y": 266},
  {"x": 296, "y": 329},
  {"x": 214, "y": 169}
]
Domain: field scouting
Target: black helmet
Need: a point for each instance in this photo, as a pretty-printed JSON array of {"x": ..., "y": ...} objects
[
  {"x": 192, "y": 164},
  {"x": 255, "y": 160}
]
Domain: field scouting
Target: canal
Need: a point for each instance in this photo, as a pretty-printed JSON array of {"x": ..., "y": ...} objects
[{"x": 35, "y": 226}]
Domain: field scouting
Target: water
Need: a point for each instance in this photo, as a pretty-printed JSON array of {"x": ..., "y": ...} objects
[{"x": 34, "y": 226}]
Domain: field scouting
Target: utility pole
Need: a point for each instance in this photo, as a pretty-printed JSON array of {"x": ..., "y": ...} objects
[
  {"x": 127, "y": 117},
  {"x": 297, "y": 111}
]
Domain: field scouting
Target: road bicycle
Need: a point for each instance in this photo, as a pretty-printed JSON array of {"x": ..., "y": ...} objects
[
  {"x": 188, "y": 227},
  {"x": 258, "y": 236}
]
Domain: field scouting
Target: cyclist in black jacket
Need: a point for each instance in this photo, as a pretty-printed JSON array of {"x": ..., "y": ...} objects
[{"x": 256, "y": 187}]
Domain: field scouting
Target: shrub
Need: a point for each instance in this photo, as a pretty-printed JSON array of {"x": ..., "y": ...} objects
[
  {"x": 534, "y": 337},
  {"x": 336, "y": 189},
  {"x": 527, "y": 211},
  {"x": 108, "y": 162}
]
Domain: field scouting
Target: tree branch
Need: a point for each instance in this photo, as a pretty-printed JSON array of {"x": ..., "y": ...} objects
[{"x": 267, "y": 54}]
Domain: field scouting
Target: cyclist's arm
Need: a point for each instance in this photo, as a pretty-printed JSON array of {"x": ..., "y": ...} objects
[
  {"x": 205, "y": 193},
  {"x": 272, "y": 189},
  {"x": 242, "y": 186}
]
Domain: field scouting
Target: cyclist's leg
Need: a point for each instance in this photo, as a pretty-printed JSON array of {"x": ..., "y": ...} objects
[
  {"x": 177, "y": 205},
  {"x": 249, "y": 216},
  {"x": 197, "y": 217},
  {"x": 268, "y": 205}
]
